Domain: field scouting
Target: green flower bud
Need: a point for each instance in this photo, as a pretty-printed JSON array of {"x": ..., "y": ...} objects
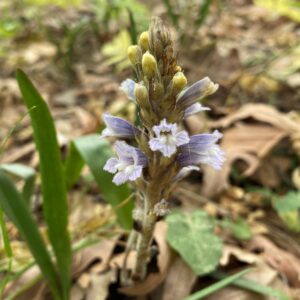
[
  {"x": 149, "y": 65},
  {"x": 179, "y": 81},
  {"x": 144, "y": 40},
  {"x": 141, "y": 95},
  {"x": 134, "y": 53}
]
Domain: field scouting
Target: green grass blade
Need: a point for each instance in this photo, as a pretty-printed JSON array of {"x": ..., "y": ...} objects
[
  {"x": 15, "y": 208},
  {"x": 216, "y": 286},
  {"x": 203, "y": 12},
  {"x": 95, "y": 152},
  {"x": 132, "y": 29},
  {"x": 7, "y": 250},
  {"x": 55, "y": 205},
  {"x": 171, "y": 13},
  {"x": 256, "y": 287},
  {"x": 24, "y": 172}
]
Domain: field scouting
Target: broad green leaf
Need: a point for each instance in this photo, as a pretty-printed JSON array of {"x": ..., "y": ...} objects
[
  {"x": 73, "y": 165},
  {"x": 24, "y": 172},
  {"x": 95, "y": 152},
  {"x": 217, "y": 286},
  {"x": 193, "y": 237},
  {"x": 55, "y": 205},
  {"x": 16, "y": 209},
  {"x": 288, "y": 208}
]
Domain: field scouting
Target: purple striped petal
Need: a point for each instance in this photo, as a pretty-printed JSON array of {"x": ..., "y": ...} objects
[
  {"x": 202, "y": 149},
  {"x": 195, "y": 92},
  {"x": 118, "y": 127}
]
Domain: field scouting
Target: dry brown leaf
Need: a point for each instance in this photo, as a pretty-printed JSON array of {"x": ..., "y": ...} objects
[
  {"x": 263, "y": 113},
  {"x": 261, "y": 273},
  {"x": 284, "y": 262},
  {"x": 100, "y": 252},
  {"x": 249, "y": 143},
  {"x": 99, "y": 288},
  {"x": 179, "y": 272},
  {"x": 163, "y": 261}
]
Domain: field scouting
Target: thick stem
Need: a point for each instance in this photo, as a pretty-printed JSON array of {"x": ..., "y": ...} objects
[
  {"x": 143, "y": 249},
  {"x": 145, "y": 237}
]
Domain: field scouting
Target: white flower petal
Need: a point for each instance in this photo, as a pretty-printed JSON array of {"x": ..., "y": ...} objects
[{"x": 111, "y": 165}]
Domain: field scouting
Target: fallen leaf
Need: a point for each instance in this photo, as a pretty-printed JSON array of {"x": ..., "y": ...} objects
[
  {"x": 248, "y": 143},
  {"x": 179, "y": 272},
  {"x": 279, "y": 259}
]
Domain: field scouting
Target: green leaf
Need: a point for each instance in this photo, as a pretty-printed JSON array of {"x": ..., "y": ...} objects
[
  {"x": 217, "y": 286},
  {"x": 289, "y": 8},
  {"x": 239, "y": 228},
  {"x": 73, "y": 165},
  {"x": 24, "y": 172},
  {"x": 288, "y": 208},
  {"x": 55, "y": 205},
  {"x": 193, "y": 237},
  {"x": 16, "y": 209},
  {"x": 95, "y": 151}
]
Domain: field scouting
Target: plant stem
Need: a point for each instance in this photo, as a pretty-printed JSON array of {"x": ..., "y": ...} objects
[{"x": 145, "y": 237}]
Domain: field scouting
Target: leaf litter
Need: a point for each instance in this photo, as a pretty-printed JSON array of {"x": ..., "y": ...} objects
[{"x": 257, "y": 110}]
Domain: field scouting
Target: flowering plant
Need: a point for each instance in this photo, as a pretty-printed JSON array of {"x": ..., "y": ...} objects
[{"x": 155, "y": 155}]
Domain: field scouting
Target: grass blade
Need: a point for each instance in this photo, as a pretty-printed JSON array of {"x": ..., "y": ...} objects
[
  {"x": 16, "y": 209},
  {"x": 95, "y": 152},
  {"x": 256, "y": 287},
  {"x": 203, "y": 12},
  {"x": 7, "y": 250},
  {"x": 216, "y": 286},
  {"x": 132, "y": 28},
  {"x": 172, "y": 15},
  {"x": 55, "y": 205},
  {"x": 24, "y": 172}
]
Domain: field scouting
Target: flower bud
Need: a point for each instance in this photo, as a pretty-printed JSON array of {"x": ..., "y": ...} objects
[
  {"x": 179, "y": 81},
  {"x": 141, "y": 96},
  {"x": 144, "y": 40},
  {"x": 149, "y": 65},
  {"x": 178, "y": 69},
  {"x": 134, "y": 53}
]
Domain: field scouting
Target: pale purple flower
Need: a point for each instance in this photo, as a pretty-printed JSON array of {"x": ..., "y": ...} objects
[
  {"x": 167, "y": 138},
  {"x": 195, "y": 92},
  {"x": 129, "y": 164},
  {"x": 194, "y": 109},
  {"x": 202, "y": 149},
  {"x": 118, "y": 127},
  {"x": 128, "y": 86}
]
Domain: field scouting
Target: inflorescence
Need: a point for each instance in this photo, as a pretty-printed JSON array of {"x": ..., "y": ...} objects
[{"x": 158, "y": 153}]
